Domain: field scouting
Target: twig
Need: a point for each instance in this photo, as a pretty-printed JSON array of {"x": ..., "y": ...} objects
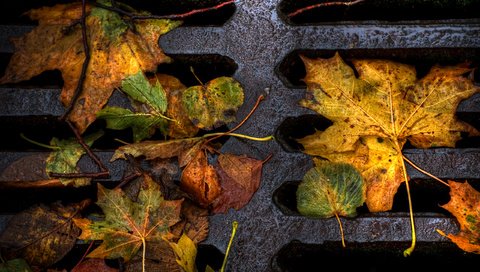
[
  {"x": 86, "y": 49},
  {"x": 48, "y": 183},
  {"x": 133, "y": 16},
  {"x": 267, "y": 159},
  {"x": 259, "y": 99},
  {"x": 84, "y": 255},
  {"x": 325, "y": 4},
  {"x": 87, "y": 148},
  {"x": 103, "y": 174},
  {"x": 424, "y": 172}
]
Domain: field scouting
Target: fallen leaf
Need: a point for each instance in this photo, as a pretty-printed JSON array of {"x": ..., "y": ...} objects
[
  {"x": 200, "y": 180},
  {"x": 65, "y": 159},
  {"x": 194, "y": 223},
  {"x": 149, "y": 115},
  {"x": 156, "y": 149},
  {"x": 331, "y": 189},
  {"x": 182, "y": 127},
  {"x": 213, "y": 104},
  {"x": 129, "y": 225},
  {"x": 186, "y": 251},
  {"x": 159, "y": 256},
  {"x": 97, "y": 265},
  {"x": 42, "y": 235},
  {"x": 240, "y": 178},
  {"x": 27, "y": 168},
  {"x": 117, "y": 52},
  {"x": 15, "y": 265},
  {"x": 375, "y": 114},
  {"x": 464, "y": 204}
]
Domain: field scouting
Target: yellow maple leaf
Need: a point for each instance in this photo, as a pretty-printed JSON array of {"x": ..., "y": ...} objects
[{"x": 376, "y": 113}]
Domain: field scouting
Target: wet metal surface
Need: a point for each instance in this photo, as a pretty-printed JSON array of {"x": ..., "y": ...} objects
[{"x": 258, "y": 40}]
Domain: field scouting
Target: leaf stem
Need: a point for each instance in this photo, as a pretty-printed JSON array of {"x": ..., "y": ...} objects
[
  {"x": 234, "y": 230},
  {"x": 341, "y": 229},
  {"x": 38, "y": 143},
  {"x": 407, "y": 252},
  {"x": 262, "y": 139},
  {"x": 325, "y": 4},
  {"x": 144, "y": 250},
  {"x": 423, "y": 171}
]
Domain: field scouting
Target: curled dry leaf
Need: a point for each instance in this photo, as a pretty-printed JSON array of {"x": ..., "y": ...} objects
[
  {"x": 117, "y": 51},
  {"x": 200, "y": 180},
  {"x": 240, "y": 178},
  {"x": 375, "y": 114},
  {"x": 464, "y": 204},
  {"x": 42, "y": 235}
]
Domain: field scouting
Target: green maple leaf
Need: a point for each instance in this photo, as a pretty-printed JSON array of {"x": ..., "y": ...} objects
[{"x": 129, "y": 225}]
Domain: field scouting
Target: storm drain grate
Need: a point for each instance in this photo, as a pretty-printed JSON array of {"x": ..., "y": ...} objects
[{"x": 258, "y": 44}]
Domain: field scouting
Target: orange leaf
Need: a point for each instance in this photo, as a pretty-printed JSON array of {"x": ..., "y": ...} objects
[{"x": 464, "y": 204}]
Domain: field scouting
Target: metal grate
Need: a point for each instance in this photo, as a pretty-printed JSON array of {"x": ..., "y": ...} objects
[{"x": 259, "y": 47}]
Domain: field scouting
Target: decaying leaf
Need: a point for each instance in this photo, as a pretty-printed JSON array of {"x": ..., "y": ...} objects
[
  {"x": 213, "y": 104},
  {"x": 186, "y": 251},
  {"x": 182, "y": 127},
  {"x": 331, "y": 189},
  {"x": 149, "y": 115},
  {"x": 129, "y": 225},
  {"x": 26, "y": 168},
  {"x": 375, "y": 114},
  {"x": 194, "y": 223},
  {"x": 42, "y": 235},
  {"x": 240, "y": 178},
  {"x": 156, "y": 149},
  {"x": 97, "y": 265},
  {"x": 464, "y": 204},
  {"x": 117, "y": 52},
  {"x": 200, "y": 180},
  {"x": 15, "y": 265},
  {"x": 65, "y": 159},
  {"x": 159, "y": 256}
]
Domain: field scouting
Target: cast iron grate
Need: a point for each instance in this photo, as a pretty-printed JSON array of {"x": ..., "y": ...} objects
[{"x": 256, "y": 42}]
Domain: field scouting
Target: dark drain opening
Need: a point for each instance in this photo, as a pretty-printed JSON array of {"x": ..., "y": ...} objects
[
  {"x": 11, "y": 11},
  {"x": 292, "y": 71},
  {"x": 379, "y": 10},
  {"x": 374, "y": 256}
]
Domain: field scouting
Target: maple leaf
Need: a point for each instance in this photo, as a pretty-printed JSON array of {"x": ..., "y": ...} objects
[
  {"x": 375, "y": 114},
  {"x": 128, "y": 224},
  {"x": 117, "y": 51},
  {"x": 464, "y": 204}
]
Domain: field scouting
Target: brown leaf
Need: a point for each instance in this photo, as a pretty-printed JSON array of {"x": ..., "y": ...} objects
[
  {"x": 97, "y": 265},
  {"x": 116, "y": 52},
  {"x": 156, "y": 149},
  {"x": 42, "y": 235},
  {"x": 194, "y": 223},
  {"x": 464, "y": 204},
  {"x": 199, "y": 180},
  {"x": 27, "y": 168},
  {"x": 182, "y": 127},
  {"x": 240, "y": 178}
]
